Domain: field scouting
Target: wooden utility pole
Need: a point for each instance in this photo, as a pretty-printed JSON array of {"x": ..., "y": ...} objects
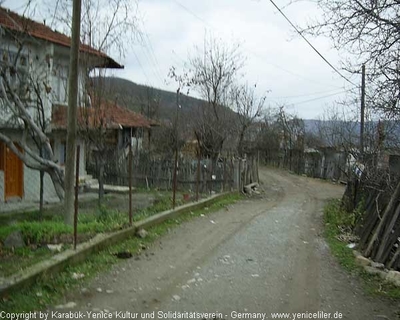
[
  {"x": 362, "y": 111},
  {"x": 72, "y": 113},
  {"x": 198, "y": 171}
]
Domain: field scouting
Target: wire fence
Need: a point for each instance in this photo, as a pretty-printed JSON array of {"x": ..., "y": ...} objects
[
  {"x": 22, "y": 188},
  {"x": 128, "y": 180}
]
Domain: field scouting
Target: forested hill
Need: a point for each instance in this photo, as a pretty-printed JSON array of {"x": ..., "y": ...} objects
[
  {"x": 161, "y": 105},
  {"x": 153, "y": 102}
]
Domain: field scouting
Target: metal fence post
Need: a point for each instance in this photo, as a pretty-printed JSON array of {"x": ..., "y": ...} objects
[
  {"x": 78, "y": 151},
  {"x": 198, "y": 176},
  {"x": 130, "y": 182},
  {"x": 174, "y": 182}
]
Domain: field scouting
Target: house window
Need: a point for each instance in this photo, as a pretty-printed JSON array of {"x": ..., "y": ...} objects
[
  {"x": 2, "y": 155},
  {"x": 61, "y": 84}
]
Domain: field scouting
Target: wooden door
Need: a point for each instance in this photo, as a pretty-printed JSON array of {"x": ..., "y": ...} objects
[{"x": 13, "y": 175}]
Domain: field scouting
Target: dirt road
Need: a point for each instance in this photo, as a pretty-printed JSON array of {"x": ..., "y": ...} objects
[{"x": 263, "y": 255}]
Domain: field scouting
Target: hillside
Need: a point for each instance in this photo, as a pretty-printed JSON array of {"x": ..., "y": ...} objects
[
  {"x": 161, "y": 104},
  {"x": 155, "y": 103}
]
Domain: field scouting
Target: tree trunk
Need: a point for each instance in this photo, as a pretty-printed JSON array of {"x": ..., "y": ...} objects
[
  {"x": 394, "y": 258},
  {"x": 58, "y": 183},
  {"x": 389, "y": 208},
  {"x": 41, "y": 186},
  {"x": 41, "y": 192},
  {"x": 240, "y": 144}
]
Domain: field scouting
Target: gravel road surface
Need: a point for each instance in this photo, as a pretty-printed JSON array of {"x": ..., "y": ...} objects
[{"x": 259, "y": 256}]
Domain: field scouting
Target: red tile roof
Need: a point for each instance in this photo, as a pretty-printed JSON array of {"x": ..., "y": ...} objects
[
  {"x": 15, "y": 22},
  {"x": 109, "y": 115}
]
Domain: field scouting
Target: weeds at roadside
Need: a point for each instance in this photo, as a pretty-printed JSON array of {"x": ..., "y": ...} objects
[{"x": 52, "y": 230}]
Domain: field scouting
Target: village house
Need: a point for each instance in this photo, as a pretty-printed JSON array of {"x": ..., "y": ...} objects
[
  {"x": 40, "y": 56},
  {"x": 108, "y": 130}
]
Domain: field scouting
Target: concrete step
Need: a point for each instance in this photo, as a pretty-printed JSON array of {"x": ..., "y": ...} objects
[
  {"x": 90, "y": 182},
  {"x": 109, "y": 188}
]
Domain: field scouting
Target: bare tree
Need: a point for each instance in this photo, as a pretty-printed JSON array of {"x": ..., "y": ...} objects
[
  {"x": 268, "y": 137},
  {"x": 93, "y": 128},
  {"x": 248, "y": 108},
  {"x": 338, "y": 129},
  {"x": 214, "y": 69},
  {"x": 292, "y": 139},
  {"x": 24, "y": 85},
  {"x": 369, "y": 32},
  {"x": 149, "y": 102},
  {"x": 107, "y": 26}
]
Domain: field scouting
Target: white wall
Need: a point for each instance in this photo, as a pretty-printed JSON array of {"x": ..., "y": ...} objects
[
  {"x": 60, "y": 63},
  {"x": 47, "y": 63},
  {"x": 32, "y": 181},
  {"x": 37, "y": 65},
  {"x": 43, "y": 58},
  {"x": 32, "y": 186},
  {"x": 58, "y": 145}
]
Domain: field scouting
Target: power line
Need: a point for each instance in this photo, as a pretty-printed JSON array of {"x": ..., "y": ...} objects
[
  {"x": 148, "y": 59},
  {"x": 308, "y": 94},
  {"x": 141, "y": 66},
  {"x": 154, "y": 59},
  {"x": 310, "y": 44},
  {"x": 207, "y": 24},
  {"x": 193, "y": 14},
  {"x": 291, "y": 72},
  {"x": 321, "y": 98},
  {"x": 152, "y": 56}
]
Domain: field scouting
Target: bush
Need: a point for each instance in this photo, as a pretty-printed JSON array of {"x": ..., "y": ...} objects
[{"x": 337, "y": 216}]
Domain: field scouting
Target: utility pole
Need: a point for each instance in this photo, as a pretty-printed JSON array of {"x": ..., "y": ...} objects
[
  {"x": 362, "y": 111},
  {"x": 72, "y": 113}
]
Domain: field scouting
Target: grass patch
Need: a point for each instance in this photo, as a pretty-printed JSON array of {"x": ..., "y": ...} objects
[
  {"x": 336, "y": 220},
  {"x": 21, "y": 259},
  {"x": 52, "y": 229},
  {"x": 50, "y": 289}
]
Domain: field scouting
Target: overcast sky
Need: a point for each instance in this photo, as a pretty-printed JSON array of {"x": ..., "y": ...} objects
[{"x": 280, "y": 62}]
